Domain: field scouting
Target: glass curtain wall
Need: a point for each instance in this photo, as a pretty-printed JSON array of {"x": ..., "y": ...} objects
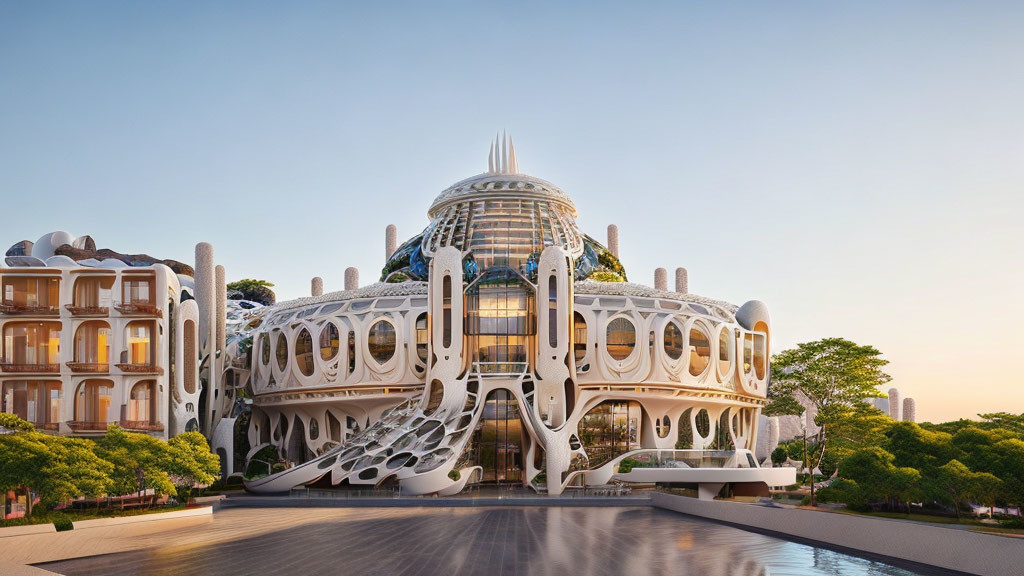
[
  {"x": 611, "y": 429},
  {"x": 500, "y": 319},
  {"x": 498, "y": 439}
]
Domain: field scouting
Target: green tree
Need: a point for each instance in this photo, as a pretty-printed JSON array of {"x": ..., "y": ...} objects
[
  {"x": 140, "y": 461},
  {"x": 779, "y": 456},
  {"x": 192, "y": 463},
  {"x": 878, "y": 478},
  {"x": 73, "y": 471},
  {"x": 25, "y": 459},
  {"x": 957, "y": 480},
  {"x": 833, "y": 375}
]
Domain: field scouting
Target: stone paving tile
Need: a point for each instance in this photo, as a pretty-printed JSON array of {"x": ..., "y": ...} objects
[{"x": 467, "y": 541}]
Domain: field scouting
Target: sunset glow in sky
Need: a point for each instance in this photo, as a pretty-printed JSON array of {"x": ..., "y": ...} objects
[{"x": 859, "y": 168}]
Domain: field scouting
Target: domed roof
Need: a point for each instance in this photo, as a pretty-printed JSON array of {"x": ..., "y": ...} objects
[{"x": 502, "y": 178}]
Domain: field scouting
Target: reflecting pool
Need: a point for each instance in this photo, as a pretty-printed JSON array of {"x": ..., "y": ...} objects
[{"x": 453, "y": 541}]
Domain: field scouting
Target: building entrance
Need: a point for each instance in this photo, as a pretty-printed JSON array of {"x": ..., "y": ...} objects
[{"x": 498, "y": 439}]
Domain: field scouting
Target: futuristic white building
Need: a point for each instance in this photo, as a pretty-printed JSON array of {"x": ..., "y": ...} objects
[{"x": 489, "y": 353}]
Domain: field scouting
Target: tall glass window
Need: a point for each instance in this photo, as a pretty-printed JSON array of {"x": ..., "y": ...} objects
[
  {"x": 621, "y": 337},
  {"x": 700, "y": 350},
  {"x": 304, "y": 352},
  {"x": 422, "y": 337},
  {"x": 382, "y": 341},
  {"x": 724, "y": 362},
  {"x": 140, "y": 343},
  {"x": 92, "y": 343},
  {"x": 579, "y": 336},
  {"x": 330, "y": 342},
  {"x": 610, "y": 429},
  {"x": 446, "y": 313},
  {"x": 93, "y": 403},
  {"x": 500, "y": 318},
  {"x": 498, "y": 439},
  {"x": 673, "y": 341},
  {"x": 282, "y": 351},
  {"x": 552, "y": 311},
  {"x": 748, "y": 352},
  {"x": 142, "y": 402},
  {"x": 759, "y": 355}
]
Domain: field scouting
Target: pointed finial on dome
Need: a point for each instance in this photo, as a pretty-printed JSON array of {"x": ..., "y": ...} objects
[{"x": 502, "y": 157}]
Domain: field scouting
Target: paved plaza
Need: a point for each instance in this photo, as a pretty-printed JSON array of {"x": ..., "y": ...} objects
[{"x": 456, "y": 541}]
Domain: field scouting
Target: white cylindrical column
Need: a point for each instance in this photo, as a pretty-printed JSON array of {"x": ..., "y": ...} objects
[
  {"x": 682, "y": 281},
  {"x": 204, "y": 292},
  {"x": 661, "y": 279},
  {"x": 221, "y": 307},
  {"x": 613, "y": 239},
  {"x": 390, "y": 240},
  {"x": 894, "y": 404},
  {"x": 316, "y": 287},
  {"x": 909, "y": 410},
  {"x": 351, "y": 278}
]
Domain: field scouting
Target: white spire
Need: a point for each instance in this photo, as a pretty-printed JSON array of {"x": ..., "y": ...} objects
[
  {"x": 513, "y": 166},
  {"x": 502, "y": 157}
]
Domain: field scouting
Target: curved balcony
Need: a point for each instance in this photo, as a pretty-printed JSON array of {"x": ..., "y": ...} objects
[
  {"x": 88, "y": 367},
  {"x": 140, "y": 369},
  {"x": 141, "y": 425},
  {"x": 140, "y": 309},
  {"x": 9, "y": 308},
  {"x": 88, "y": 311},
  {"x": 30, "y": 368},
  {"x": 81, "y": 426}
]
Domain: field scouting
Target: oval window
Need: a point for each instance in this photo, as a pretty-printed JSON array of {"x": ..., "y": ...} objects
[
  {"x": 265, "y": 349},
  {"x": 282, "y": 351},
  {"x": 314, "y": 429},
  {"x": 724, "y": 362},
  {"x": 329, "y": 342},
  {"x": 422, "y": 337},
  {"x": 700, "y": 351},
  {"x": 621, "y": 338},
  {"x": 579, "y": 337},
  {"x": 304, "y": 352},
  {"x": 382, "y": 341},
  {"x": 673, "y": 341}
]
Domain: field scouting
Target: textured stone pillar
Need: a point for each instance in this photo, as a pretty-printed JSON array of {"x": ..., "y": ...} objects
[
  {"x": 894, "y": 404},
  {"x": 390, "y": 240},
  {"x": 661, "y": 279},
  {"x": 909, "y": 410},
  {"x": 222, "y": 306},
  {"x": 682, "y": 281},
  {"x": 351, "y": 278},
  {"x": 204, "y": 291},
  {"x": 316, "y": 287},
  {"x": 613, "y": 239}
]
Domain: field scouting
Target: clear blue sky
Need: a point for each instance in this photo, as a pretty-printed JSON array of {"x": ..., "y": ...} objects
[{"x": 858, "y": 166}]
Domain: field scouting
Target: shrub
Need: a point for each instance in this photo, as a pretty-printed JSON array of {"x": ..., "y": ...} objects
[
  {"x": 606, "y": 276},
  {"x": 455, "y": 475},
  {"x": 62, "y": 523}
]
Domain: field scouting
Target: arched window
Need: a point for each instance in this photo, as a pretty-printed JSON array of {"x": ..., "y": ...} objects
[
  {"x": 759, "y": 355},
  {"x": 724, "y": 361},
  {"x": 553, "y": 310},
  {"x": 92, "y": 343},
  {"x": 621, "y": 337},
  {"x": 142, "y": 403},
  {"x": 93, "y": 405},
  {"x": 329, "y": 342},
  {"x": 422, "y": 337},
  {"x": 435, "y": 397},
  {"x": 351, "y": 352},
  {"x": 265, "y": 349},
  {"x": 282, "y": 351},
  {"x": 304, "y": 352},
  {"x": 700, "y": 350},
  {"x": 314, "y": 429},
  {"x": 609, "y": 429},
  {"x": 579, "y": 336},
  {"x": 140, "y": 343},
  {"x": 382, "y": 341},
  {"x": 748, "y": 352},
  {"x": 663, "y": 426},
  {"x": 446, "y": 310},
  {"x": 189, "y": 362},
  {"x": 673, "y": 341}
]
